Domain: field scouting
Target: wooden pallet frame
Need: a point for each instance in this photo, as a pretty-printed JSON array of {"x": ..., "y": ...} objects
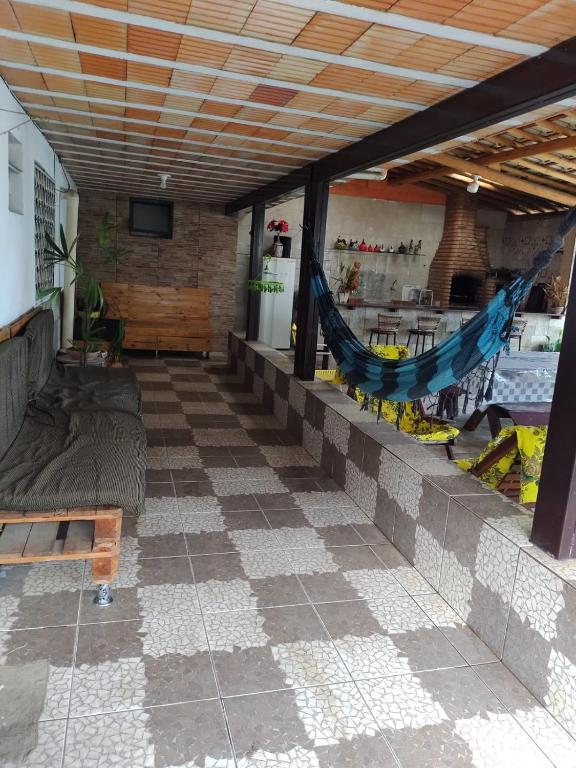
[
  {"x": 14, "y": 328},
  {"x": 99, "y": 543}
]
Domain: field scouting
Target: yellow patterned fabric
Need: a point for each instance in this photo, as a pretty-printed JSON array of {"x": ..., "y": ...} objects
[
  {"x": 391, "y": 351},
  {"x": 405, "y": 415},
  {"x": 530, "y": 444},
  {"x": 326, "y": 375}
]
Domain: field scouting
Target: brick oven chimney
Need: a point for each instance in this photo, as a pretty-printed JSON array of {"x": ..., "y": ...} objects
[{"x": 458, "y": 270}]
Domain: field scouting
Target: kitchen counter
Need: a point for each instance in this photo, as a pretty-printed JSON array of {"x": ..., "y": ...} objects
[
  {"x": 411, "y": 307},
  {"x": 361, "y": 318}
]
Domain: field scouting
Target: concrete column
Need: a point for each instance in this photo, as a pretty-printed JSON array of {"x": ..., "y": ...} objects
[{"x": 69, "y": 288}]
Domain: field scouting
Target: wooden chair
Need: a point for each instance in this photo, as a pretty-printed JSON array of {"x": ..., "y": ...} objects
[
  {"x": 519, "y": 326},
  {"x": 512, "y": 463},
  {"x": 509, "y": 486},
  {"x": 387, "y": 326},
  {"x": 426, "y": 329}
]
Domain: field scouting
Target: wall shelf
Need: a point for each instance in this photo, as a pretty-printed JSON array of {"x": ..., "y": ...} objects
[{"x": 372, "y": 253}]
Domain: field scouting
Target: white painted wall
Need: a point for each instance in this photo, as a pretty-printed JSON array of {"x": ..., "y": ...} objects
[
  {"x": 377, "y": 221},
  {"x": 17, "y": 281}
]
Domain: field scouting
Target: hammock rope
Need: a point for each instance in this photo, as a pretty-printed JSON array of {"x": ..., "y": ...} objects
[{"x": 446, "y": 364}]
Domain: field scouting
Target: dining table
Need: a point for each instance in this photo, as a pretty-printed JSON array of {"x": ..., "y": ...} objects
[{"x": 526, "y": 377}]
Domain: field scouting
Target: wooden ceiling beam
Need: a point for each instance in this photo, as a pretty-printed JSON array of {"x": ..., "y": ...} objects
[
  {"x": 505, "y": 180},
  {"x": 552, "y": 125},
  {"x": 544, "y": 181},
  {"x": 546, "y": 171},
  {"x": 491, "y": 199},
  {"x": 531, "y": 150},
  {"x": 494, "y": 158},
  {"x": 535, "y": 83}
]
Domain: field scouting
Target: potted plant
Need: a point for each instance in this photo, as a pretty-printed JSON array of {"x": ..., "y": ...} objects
[
  {"x": 89, "y": 297},
  {"x": 116, "y": 344},
  {"x": 348, "y": 281},
  {"x": 557, "y": 294},
  {"x": 282, "y": 243}
]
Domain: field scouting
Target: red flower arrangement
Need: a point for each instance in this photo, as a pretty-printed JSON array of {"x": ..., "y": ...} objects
[{"x": 279, "y": 226}]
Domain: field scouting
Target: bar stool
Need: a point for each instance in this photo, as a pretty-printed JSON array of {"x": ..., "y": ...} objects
[
  {"x": 426, "y": 329},
  {"x": 387, "y": 326},
  {"x": 518, "y": 328}
]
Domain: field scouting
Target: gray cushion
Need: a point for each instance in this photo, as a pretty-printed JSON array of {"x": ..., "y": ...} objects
[
  {"x": 13, "y": 389},
  {"x": 90, "y": 389},
  {"x": 39, "y": 333},
  {"x": 75, "y": 459}
]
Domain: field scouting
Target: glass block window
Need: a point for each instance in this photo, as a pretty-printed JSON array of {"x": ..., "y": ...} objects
[{"x": 44, "y": 220}]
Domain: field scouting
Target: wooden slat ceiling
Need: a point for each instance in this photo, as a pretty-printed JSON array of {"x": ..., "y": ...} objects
[
  {"x": 227, "y": 95},
  {"x": 539, "y": 149}
]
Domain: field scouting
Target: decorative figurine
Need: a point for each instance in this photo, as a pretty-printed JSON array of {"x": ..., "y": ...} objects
[
  {"x": 340, "y": 244},
  {"x": 377, "y": 249},
  {"x": 418, "y": 247},
  {"x": 390, "y": 249},
  {"x": 353, "y": 245},
  {"x": 411, "y": 247},
  {"x": 401, "y": 248},
  {"x": 363, "y": 246},
  {"x": 370, "y": 249}
]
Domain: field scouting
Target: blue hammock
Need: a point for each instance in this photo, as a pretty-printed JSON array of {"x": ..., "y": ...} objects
[{"x": 449, "y": 362}]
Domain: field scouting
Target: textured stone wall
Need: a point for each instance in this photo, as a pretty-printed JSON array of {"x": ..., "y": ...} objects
[{"x": 201, "y": 254}]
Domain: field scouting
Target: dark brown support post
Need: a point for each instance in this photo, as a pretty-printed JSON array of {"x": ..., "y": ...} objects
[
  {"x": 255, "y": 270},
  {"x": 313, "y": 236},
  {"x": 554, "y": 526}
]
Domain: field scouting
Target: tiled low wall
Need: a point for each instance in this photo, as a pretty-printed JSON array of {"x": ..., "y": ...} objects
[{"x": 470, "y": 543}]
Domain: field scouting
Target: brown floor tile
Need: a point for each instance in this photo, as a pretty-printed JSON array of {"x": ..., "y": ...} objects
[{"x": 328, "y": 727}]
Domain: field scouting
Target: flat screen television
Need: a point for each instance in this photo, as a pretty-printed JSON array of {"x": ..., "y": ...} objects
[{"x": 151, "y": 218}]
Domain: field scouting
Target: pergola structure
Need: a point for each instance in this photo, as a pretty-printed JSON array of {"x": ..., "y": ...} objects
[{"x": 246, "y": 101}]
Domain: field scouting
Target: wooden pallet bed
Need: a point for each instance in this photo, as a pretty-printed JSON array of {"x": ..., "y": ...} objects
[{"x": 86, "y": 533}]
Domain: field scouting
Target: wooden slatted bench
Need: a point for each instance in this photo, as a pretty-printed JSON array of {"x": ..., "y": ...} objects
[
  {"x": 86, "y": 533},
  {"x": 161, "y": 317}
]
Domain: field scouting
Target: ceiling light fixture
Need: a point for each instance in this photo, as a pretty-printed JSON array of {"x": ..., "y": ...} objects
[
  {"x": 474, "y": 185},
  {"x": 164, "y": 179}
]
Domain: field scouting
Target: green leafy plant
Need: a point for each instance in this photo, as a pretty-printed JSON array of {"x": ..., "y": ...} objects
[
  {"x": 117, "y": 341},
  {"x": 90, "y": 300},
  {"x": 263, "y": 284},
  {"x": 89, "y": 296},
  {"x": 106, "y": 239}
]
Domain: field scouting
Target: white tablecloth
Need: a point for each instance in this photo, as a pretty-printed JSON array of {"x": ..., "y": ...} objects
[{"x": 525, "y": 377}]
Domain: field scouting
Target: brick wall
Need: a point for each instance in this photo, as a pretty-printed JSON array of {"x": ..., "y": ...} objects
[
  {"x": 462, "y": 250},
  {"x": 201, "y": 254}
]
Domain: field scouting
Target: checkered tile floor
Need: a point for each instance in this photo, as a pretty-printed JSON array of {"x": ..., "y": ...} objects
[{"x": 260, "y": 620}]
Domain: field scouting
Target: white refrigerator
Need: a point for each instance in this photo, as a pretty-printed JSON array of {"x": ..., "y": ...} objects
[{"x": 276, "y": 308}]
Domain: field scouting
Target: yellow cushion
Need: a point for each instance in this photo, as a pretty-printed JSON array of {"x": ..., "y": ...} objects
[{"x": 530, "y": 444}]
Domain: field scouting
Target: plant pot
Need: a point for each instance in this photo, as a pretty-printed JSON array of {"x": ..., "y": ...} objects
[
  {"x": 286, "y": 246},
  {"x": 277, "y": 247},
  {"x": 556, "y": 310},
  {"x": 343, "y": 297}
]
